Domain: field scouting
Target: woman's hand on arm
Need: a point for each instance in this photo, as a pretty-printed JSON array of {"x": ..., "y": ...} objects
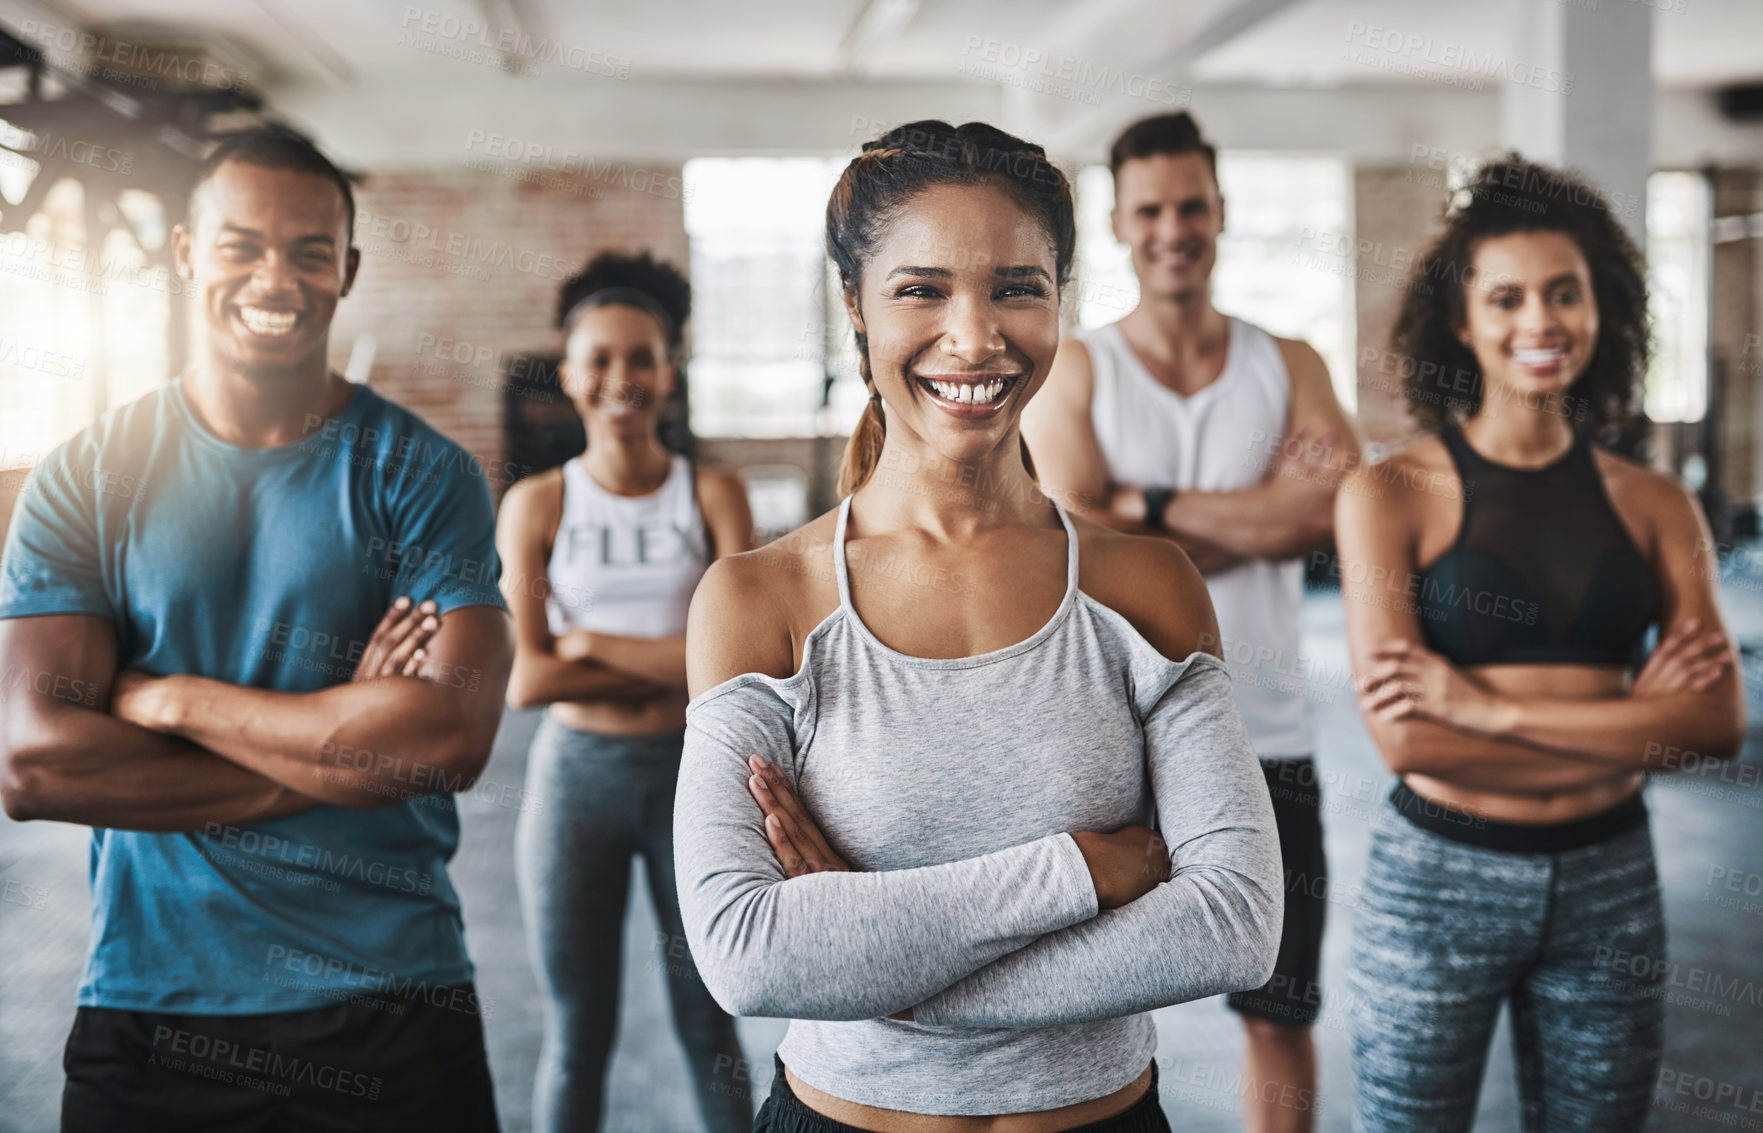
[
  {"x": 1685, "y": 660},
  {"x": 1124, "y": 865},
  {"x": 795, "y": 838},
  {"x": 661, "y": 661},
  {"x": 1214, "y": 925},
  {"x": 1377, "y": 517},
  {"x": 658, "y": 660},
  {"x": 832, "y": 944},
  {"x": 1685, "y": 703},
  {"x": 1410, "y": 681},
  {"x": 525, "y": 529},
  {"x": 792, "y": 832}
]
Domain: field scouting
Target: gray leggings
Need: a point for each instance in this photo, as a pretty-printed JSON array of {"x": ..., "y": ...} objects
[
  {"x": 1447, "y": 930},
  {"x": 604, "y": 798}
]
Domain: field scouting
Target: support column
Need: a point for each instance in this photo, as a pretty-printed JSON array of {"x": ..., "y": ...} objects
[{"x": 1579, "y": 94}]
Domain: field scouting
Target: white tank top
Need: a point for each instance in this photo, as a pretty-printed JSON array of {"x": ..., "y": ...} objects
[
  {"x": 1152, "y": 436},
  {"x": 626, "y": 565}
]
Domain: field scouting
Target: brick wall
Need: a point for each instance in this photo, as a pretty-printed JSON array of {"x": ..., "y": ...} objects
[{"x": 460, "y": 271}]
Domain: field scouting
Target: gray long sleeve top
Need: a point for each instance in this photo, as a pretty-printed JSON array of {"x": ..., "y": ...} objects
[{"x": 951, "y": 787}]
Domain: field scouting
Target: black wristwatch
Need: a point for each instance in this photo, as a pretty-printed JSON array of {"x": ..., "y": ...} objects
[{"x": 1156, "y": 499}]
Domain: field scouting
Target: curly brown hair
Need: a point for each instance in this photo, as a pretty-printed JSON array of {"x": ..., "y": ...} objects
[{"x": 1509, "y": 195}]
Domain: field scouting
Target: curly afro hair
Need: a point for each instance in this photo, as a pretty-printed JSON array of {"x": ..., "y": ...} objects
[
  {"x": 1511, "y": 195},
  {"x": 660, "y": 281}
]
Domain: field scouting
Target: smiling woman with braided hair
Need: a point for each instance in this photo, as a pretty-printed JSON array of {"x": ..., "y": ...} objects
[{"x": 928, "y": 729}]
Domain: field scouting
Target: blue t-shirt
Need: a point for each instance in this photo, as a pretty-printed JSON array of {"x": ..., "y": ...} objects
[{"x": 267, "y": 568}]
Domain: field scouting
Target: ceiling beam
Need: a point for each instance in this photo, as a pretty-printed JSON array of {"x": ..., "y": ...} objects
[{"x": 1085, "y": 126}]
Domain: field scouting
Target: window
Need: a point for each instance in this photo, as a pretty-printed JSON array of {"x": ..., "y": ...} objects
[
  {"x": 46, "y": 372},
  {"x": 85, "y": 330},
  {"x": 760, "y": 302},
  {"x": 1677, "y": 295},
  {"x": 1271, "y": 201}
]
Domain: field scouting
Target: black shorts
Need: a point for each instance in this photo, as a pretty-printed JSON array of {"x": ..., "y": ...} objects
[
  {"x": 406, "y": 1062},
  {"x": 1294, "y": 993},
  {"x": 784, "y": 1112}
]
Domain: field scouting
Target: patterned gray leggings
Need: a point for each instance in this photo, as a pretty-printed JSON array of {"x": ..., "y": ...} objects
[{"x": 1447, "y": 930}]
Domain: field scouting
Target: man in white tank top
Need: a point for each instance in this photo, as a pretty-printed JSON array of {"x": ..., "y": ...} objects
[{"x": 1182, "y": 422}]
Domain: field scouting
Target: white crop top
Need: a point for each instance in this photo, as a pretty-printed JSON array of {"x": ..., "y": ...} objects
[{"x": 626, "y": 565}]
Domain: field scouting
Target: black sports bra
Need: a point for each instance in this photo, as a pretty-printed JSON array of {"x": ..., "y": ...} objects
[{"x": 1541, "y": 571}]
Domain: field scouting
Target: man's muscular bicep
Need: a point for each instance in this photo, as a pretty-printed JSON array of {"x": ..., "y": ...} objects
[
  {"x": 1314, "y": 408},
  {"x": 471, "y": 654},
  {"x": 54, "y": 661},
  {"x": 64, "y": 757}
]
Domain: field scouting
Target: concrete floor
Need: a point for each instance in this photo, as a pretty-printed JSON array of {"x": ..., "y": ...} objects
[{"x": 1703, "y": 825}]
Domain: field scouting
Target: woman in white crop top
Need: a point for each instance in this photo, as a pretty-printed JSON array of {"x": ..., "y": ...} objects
[
  {"x": 944, "y": 877},
  {"x": 600, "y": 558}
]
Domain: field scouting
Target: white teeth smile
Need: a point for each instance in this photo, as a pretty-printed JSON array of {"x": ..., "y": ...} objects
[
  {"x": 969, "y": 394},
  {"x": 1539, "y": 357},
  {"x": 258, "y": 320}
]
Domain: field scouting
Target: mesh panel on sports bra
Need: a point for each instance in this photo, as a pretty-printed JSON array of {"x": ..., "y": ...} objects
[{"x": 1542, "y": 569}]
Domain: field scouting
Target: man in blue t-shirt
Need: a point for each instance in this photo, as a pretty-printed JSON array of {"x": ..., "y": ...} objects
[{"x": 264, "y": 602}]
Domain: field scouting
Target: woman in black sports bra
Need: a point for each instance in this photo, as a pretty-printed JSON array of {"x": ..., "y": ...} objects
[{"x": 1500, "y": 577}]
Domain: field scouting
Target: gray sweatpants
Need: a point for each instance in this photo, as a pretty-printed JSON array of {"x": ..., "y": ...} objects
[
  {"x": 606, "y": 798},
  {"x": 1446, "y": 931}
]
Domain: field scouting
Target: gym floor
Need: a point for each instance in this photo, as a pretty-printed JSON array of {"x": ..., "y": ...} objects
[{"x": 1706, "y": 831}]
